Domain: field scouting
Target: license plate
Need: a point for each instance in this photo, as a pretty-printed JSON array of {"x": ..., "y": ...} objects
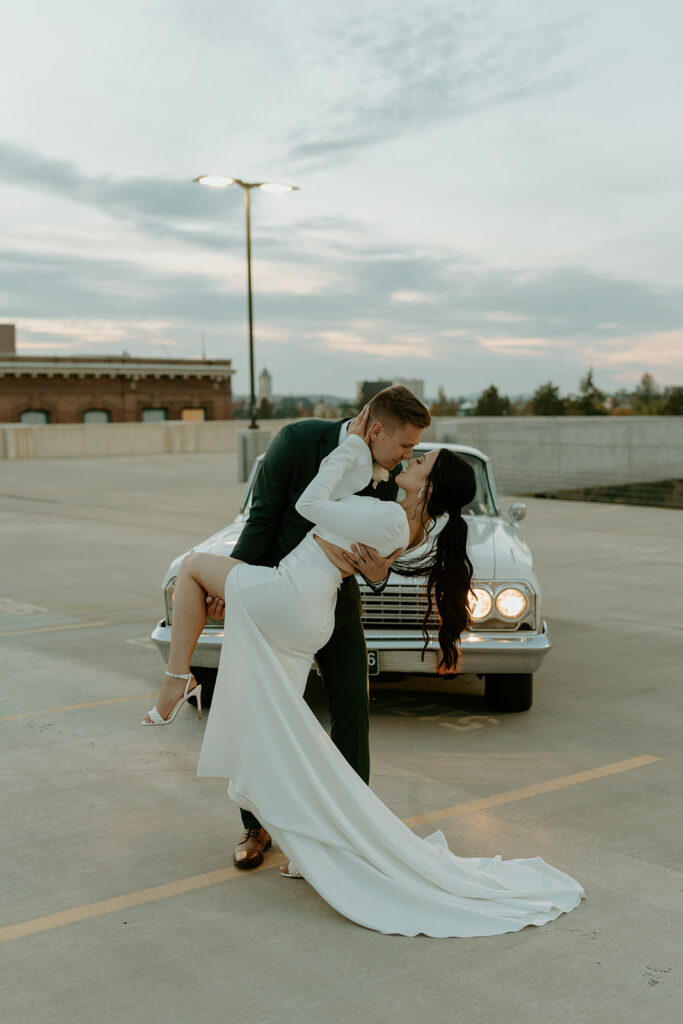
[{"x": 373, "y": 663}]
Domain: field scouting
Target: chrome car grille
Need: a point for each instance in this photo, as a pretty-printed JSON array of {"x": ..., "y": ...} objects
[{"x": 400, "y": 606}]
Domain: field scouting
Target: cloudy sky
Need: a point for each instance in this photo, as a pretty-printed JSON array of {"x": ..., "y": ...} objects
[{"x": 490, "y": 192}]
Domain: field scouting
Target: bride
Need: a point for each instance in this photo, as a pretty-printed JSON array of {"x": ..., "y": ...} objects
[{"x": 281, "y": 763}]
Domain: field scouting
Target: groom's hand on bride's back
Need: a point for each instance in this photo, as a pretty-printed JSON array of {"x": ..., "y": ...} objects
[{"x": 369, "y": 562}]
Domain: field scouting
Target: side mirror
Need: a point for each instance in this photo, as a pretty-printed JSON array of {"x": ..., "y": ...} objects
[{"x": 516, "y": 512}]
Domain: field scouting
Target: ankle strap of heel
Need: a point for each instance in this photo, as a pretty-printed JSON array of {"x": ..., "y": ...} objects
[{"x": 188, "y": 677}]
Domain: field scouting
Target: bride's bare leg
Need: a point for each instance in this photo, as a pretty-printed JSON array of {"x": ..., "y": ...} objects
[{"x": 199, "y": 574}]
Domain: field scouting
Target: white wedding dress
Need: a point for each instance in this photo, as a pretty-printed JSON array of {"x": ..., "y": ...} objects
[{"x": 282, "y": 765}]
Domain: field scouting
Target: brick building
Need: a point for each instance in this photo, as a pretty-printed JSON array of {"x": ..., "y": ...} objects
[{"x": 116, "y": 389}]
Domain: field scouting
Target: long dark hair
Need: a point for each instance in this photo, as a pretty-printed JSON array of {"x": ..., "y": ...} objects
[{"x": 450, "y": 486}]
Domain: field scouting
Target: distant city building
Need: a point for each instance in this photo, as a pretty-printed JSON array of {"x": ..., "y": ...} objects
[
  {"x": 265, "y": 386},
  {"x": 110, "y": 389},
  {"x": 466, "y": 408},
  {"x": 367, "y": 389},
  {"x": 413, "y": 384},
  {"x": 7, "y": 340},
  {"x": 325, "y": 411}
]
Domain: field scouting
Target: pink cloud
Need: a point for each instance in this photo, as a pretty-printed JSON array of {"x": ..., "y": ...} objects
[
  {"x": 661, "y": 351},
  {"x": 350, "y": 341},
  {"x": 518, "y": 346}
]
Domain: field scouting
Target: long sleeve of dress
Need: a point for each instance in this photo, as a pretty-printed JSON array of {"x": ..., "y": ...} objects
[{"x": 340, "y": 515}]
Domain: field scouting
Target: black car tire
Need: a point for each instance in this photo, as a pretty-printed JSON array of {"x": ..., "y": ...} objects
[
  {"x": 207, "y": 677},
  {"x": 509, "y": 692}
]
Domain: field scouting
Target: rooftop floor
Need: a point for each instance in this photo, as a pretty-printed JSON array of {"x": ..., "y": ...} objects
[{"x": 120, "y": 900}]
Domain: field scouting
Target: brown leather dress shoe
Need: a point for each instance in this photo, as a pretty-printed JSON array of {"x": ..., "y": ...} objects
[{"x": 251, "y": 847}]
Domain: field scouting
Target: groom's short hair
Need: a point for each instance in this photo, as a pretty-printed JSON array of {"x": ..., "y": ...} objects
[{"x": 396, "y": 405}]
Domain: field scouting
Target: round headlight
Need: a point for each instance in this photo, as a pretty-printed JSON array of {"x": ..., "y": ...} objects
[
  {"x": 511, "y": 603},
  {"x": 480, "y": 603}
]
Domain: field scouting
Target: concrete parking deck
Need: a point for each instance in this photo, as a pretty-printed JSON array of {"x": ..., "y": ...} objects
[{"x": 120, "y": 903}]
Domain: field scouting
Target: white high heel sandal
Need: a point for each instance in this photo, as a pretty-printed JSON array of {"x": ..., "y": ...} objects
[
  {"x": 196, "y": 691},
  {"x": 290, "y": 871}
]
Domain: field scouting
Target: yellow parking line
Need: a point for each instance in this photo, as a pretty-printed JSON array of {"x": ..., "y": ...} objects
[
  {"x": 52, "y": 629},
  {"x": 160, "y": 892},
  {"x": 521, "y": 794},
  {"x": 74, "y": 707},
  {"x": 131, "y": 899}
]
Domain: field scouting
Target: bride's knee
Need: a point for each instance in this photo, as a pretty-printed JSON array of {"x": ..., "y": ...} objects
[
  {"x": 188, "y": 565},
  {"x": 208, "y": 570}
]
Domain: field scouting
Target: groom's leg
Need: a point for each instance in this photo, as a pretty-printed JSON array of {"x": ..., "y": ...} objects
[
  {"x": 249, "y": 820},
  {"x": 343, "y": 664}
]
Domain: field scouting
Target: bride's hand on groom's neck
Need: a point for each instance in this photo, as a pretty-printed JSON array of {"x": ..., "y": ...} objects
[{"x": 361, "y": 425}]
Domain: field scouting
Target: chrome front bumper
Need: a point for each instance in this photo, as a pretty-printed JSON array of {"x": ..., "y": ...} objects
[{"x": 482, "y": 653}]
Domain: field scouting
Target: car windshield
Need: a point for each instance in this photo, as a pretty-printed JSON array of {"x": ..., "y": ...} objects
[{"x": 482, "y": 505}]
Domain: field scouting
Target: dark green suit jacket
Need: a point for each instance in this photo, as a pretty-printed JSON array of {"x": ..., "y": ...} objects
[{"x": 274, "y": 526}]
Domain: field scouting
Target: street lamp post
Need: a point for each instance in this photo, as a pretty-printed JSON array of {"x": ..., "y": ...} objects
[{"x": 217, "y": 181}]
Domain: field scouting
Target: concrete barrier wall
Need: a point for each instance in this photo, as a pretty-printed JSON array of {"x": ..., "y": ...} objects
[
  {"x": 95, "y": 440},
  {"x": 538, "y": 453},
  {"x": 529, "y": 454}
]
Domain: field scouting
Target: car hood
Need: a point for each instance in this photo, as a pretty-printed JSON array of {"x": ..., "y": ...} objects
[
  {"x": 223, "y": 542},
  {"x": 220, "y": 543},
  {"x": 495, "y": 547},
  {"x": 498, "y": 551}
]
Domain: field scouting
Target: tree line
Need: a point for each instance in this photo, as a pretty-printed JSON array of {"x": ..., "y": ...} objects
[{"x": 647, "y": 399}]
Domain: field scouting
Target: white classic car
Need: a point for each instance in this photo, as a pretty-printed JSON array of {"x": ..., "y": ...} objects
[{"x": 508, "y": 638}]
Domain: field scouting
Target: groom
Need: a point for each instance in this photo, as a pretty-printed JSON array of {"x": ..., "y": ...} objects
[{"x": 396, "y": 422}]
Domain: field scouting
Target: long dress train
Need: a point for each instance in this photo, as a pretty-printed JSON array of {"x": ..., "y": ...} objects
[{"x": 283, "y": 766}]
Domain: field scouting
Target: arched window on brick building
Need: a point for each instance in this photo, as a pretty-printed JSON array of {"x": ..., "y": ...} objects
[
  {"x": 96, "y": 416},
  {"x": 34, "y": 416},
  {"x": 154, "y": 415}
]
